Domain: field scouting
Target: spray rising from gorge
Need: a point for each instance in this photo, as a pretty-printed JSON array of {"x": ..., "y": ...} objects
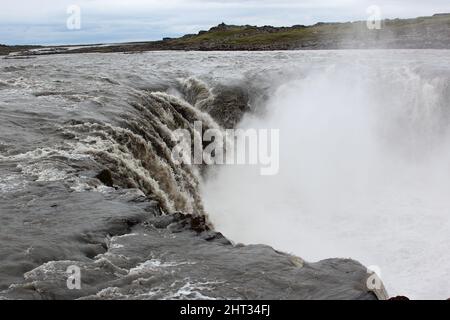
[{"x": 364, "y": 171}]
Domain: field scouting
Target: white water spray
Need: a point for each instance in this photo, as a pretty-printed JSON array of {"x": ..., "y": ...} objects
[{"x": 364, "y": 174}]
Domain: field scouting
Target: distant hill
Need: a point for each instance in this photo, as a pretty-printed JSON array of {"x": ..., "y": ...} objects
[
  {"x": 4, "y": 49},
  {"x": 423, "y": 32},
  {"x": 419, "y": 33}
]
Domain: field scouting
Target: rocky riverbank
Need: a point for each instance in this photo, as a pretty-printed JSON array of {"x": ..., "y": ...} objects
[{"x": 431, "y": 32}]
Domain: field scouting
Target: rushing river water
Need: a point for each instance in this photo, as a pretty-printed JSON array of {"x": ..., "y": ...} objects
[{"x": 364, "y": 171}]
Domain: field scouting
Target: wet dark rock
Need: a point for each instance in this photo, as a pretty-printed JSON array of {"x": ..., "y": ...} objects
[
  {"x": 161, "y": 222},
  {"x": 181, "y": 222},
  {"x": 399, "y": 298},
  {"x": 178, "y": 222},
  {"x": 215, "y": 236},
  {"x": 105, "y": 177},
  {"x": 230, "y": 104}
]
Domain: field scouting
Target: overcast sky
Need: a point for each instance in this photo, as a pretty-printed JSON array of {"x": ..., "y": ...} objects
[{"x": 103, "y": 21}]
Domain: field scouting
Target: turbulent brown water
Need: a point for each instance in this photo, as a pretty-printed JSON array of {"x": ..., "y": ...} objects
[{"x": 87, "y": 178}]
